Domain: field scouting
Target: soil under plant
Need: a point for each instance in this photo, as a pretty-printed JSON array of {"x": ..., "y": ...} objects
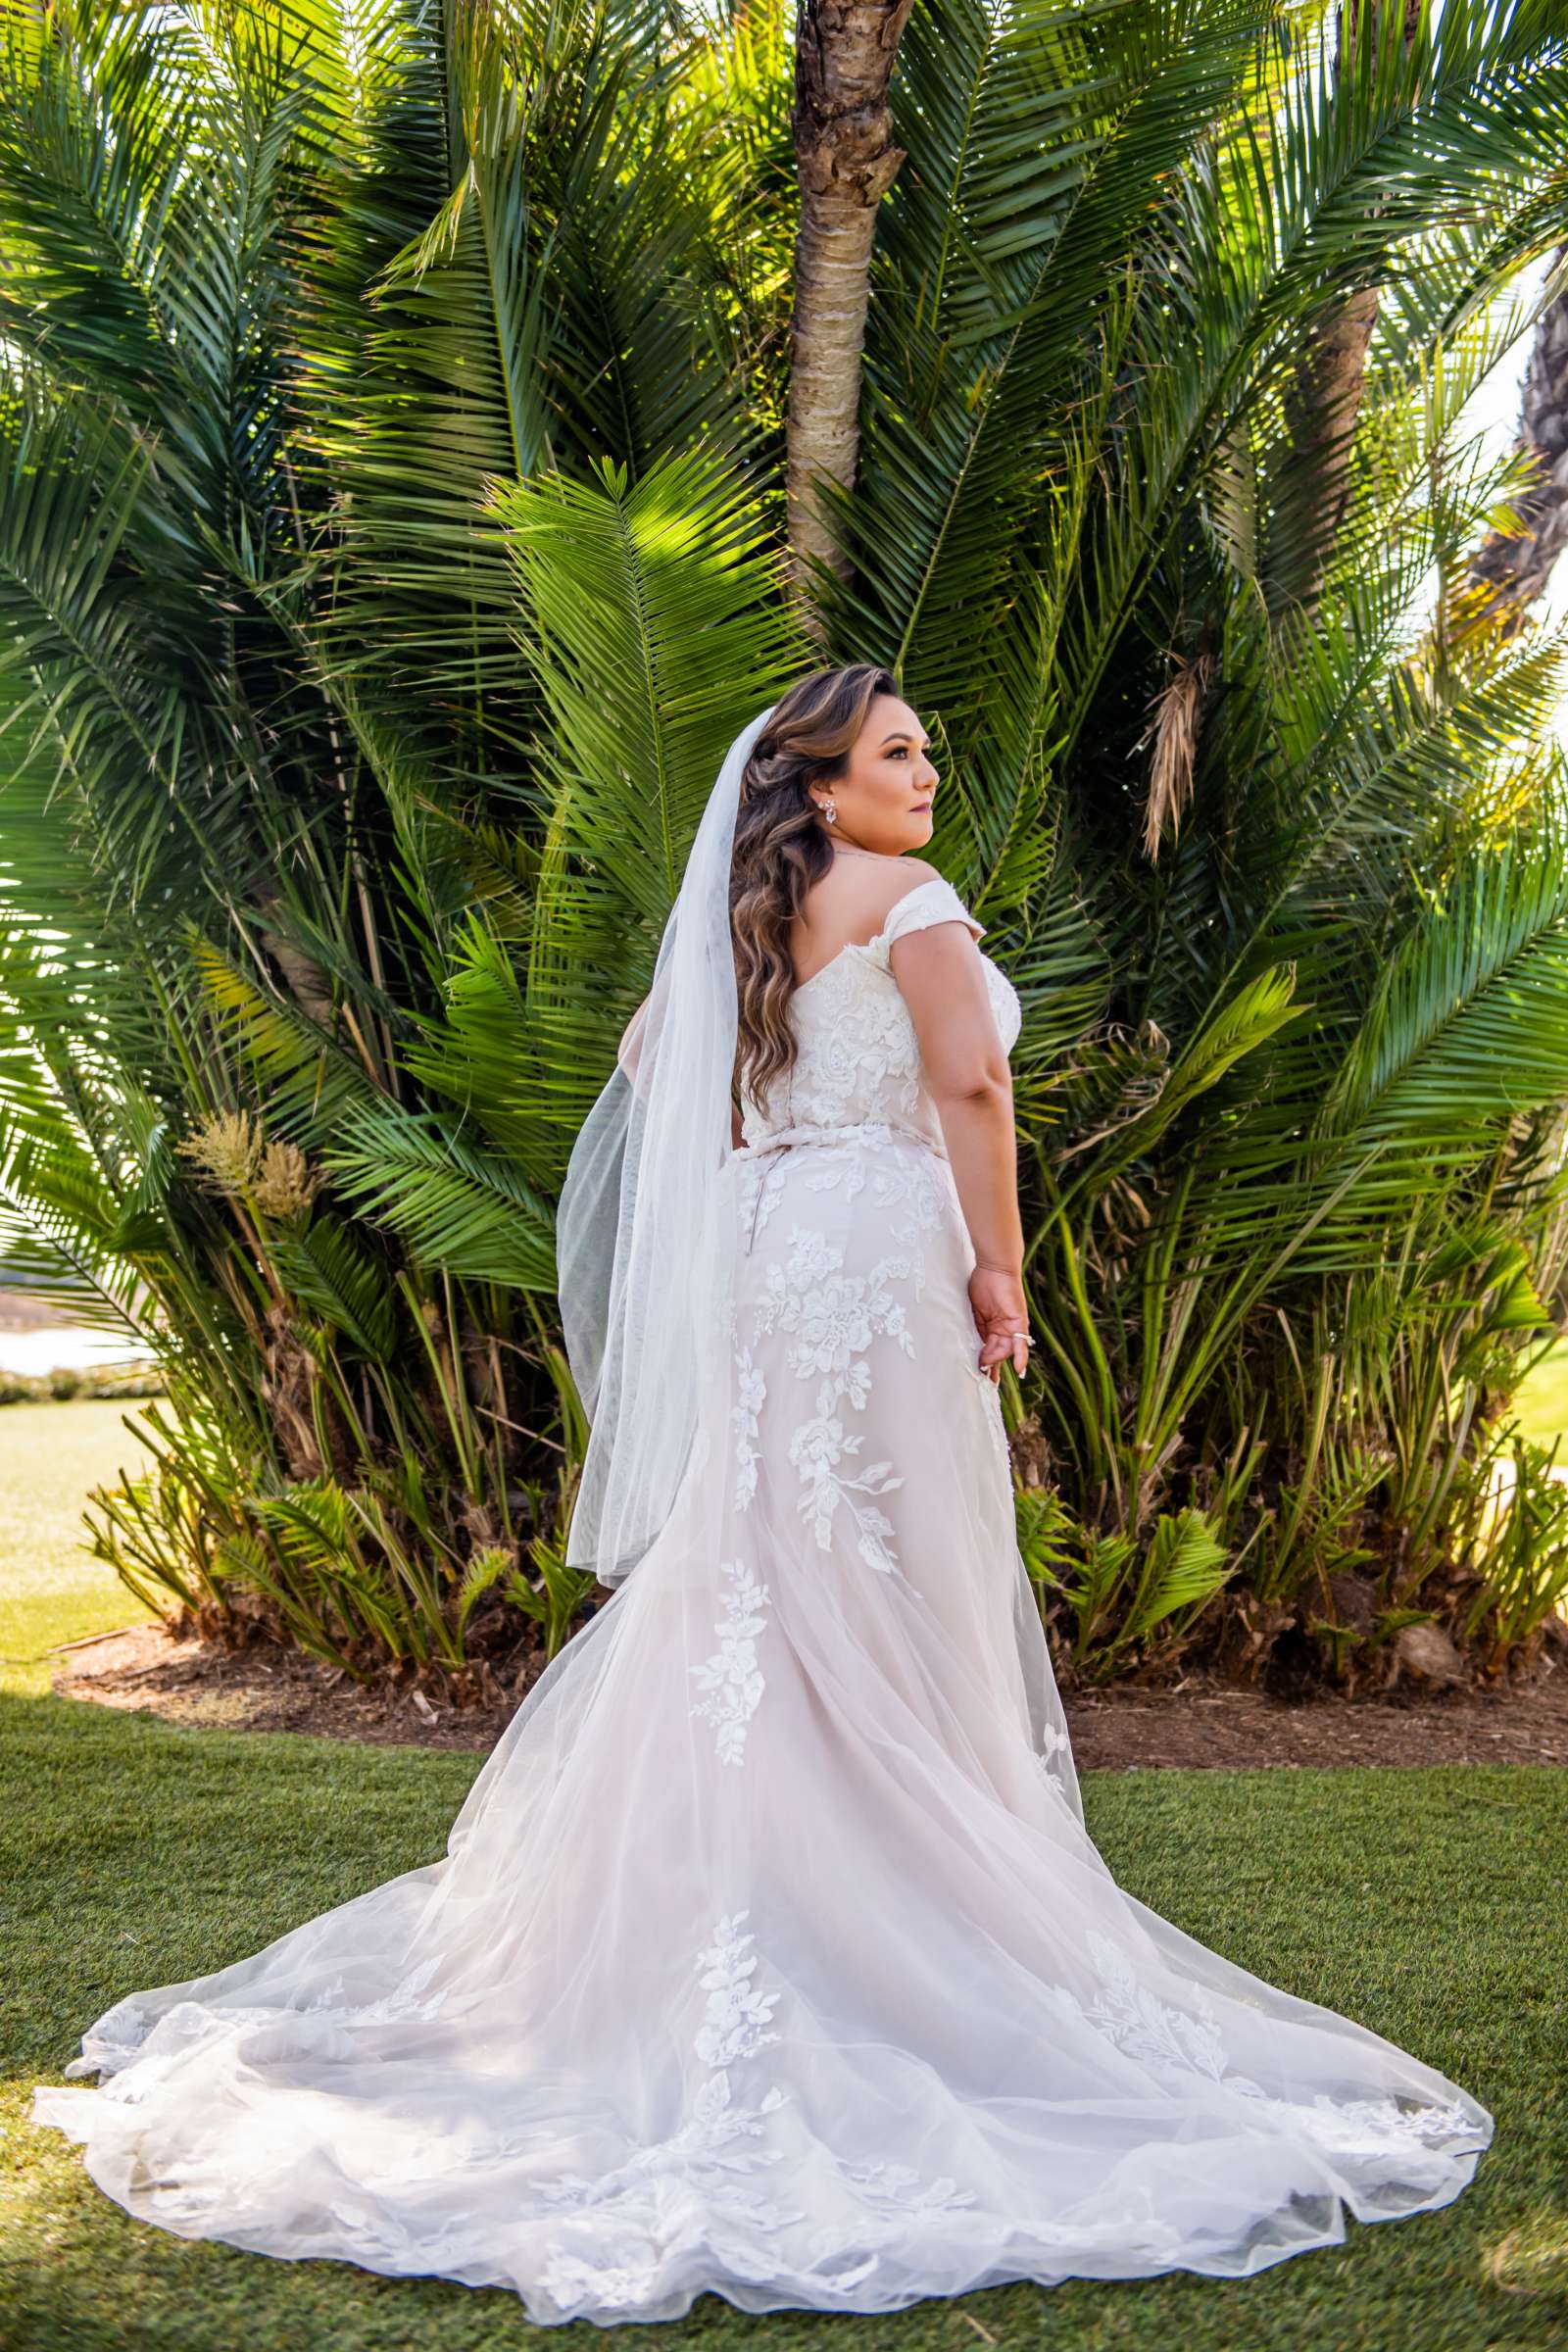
[{"x": 1199, "y": 1720}]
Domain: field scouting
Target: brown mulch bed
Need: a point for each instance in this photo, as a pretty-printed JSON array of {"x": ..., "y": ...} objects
[
  {"x": 1200, "y": 1722},
  {"x": 1210, "y": 1724}
]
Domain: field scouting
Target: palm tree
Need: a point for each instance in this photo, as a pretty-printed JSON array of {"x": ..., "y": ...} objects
[
  {"x": 395, "y": 523},
  {"x": 1512, "y": 567},
  {"x": 845, "y": 162},
  {"x": 1324, "y": 393}
]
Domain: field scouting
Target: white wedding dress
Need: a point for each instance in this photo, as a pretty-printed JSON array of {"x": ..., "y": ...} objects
[{"x": 770, "y": 1954}]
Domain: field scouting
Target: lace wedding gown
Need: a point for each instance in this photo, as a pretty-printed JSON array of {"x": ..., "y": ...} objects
[{"x": 770, "y": 1954}]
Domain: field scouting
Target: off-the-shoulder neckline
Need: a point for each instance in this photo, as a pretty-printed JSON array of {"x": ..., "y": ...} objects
[{"x": 864, "y": 947}]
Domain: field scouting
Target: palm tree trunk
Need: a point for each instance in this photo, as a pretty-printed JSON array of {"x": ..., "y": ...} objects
[
  {"x": 845, "y": 161},
  {"x": 1512, "y": 567},
  {"x": 1323, "y": 403}
]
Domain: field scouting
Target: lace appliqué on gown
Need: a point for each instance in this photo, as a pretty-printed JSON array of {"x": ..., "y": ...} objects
[
  {"x": 730, "y": 1677},
  {"x": 834, "y": 1317},
  {"x": 821, "y": 1708},
  {"x": 625, "y": 2231},
  {"x": 859, "y": 1058},
  {"x": 751, "y": 1394},
  {"x": 1173, "y": 2041},
  {"x": 610, "y": 2255}
]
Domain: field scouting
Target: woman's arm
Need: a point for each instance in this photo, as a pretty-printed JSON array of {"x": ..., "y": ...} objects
[{"x": 939, "y": 971}]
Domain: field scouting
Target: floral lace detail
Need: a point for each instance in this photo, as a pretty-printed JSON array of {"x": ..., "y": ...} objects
[
  {"x": 750, "y": 1394},
  {"x": 612, "y": 2256},
  {"x": 1176, "y": 2042},
  {"x": 730, "y": 1677},
  {"x": 912, "y": 1181},
  {"x": 617, "y": 2244},
  {"x": 1138, "y": 2022},
  {"x": 405, "y": 2001},
  {"x": 835, "y": 1316},
  {"x": 899, "y": 2186},
  {"x": 1375, "y": 2127},
  {"x": 1006, "y": 1003},
  {"x": 622, "y": 2235},
  {"x": 873, "y": 1150},
  {"x": 859, "y": 1055},
  {"x": 737, "y": 2013},
  {"x": 910, "y": 1184},
  {"x": 1054, "y": 1741},
  {"x": 126, "y": 2033}
]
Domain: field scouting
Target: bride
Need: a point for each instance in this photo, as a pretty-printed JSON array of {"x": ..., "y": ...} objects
[{"x": 769, "y": 1955}]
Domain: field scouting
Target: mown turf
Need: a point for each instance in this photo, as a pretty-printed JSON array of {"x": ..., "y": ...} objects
[
  {"x": 1423, "y": 1902},
  {"x": 51, "y": 1586},
  {"x": 1541, "y": 1405},
  {"x": 134, "y": 1854}
]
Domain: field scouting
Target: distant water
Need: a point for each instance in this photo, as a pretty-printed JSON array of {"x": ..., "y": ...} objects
[{"x": 74, "y": 1346}]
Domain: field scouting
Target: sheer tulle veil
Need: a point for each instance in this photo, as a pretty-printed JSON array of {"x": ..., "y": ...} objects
[
  {"x": 770, "y": 1954},
  {"x": 643, "y": 1241}
]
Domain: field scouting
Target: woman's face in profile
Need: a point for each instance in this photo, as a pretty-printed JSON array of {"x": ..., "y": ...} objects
[{"x": 884, "y": 797}]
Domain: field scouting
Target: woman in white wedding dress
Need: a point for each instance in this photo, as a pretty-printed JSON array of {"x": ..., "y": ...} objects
[{"x": 770, "y": 1954}]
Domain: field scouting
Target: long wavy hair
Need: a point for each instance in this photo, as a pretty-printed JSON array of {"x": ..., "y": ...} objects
[{"x": 781, "y": 849}]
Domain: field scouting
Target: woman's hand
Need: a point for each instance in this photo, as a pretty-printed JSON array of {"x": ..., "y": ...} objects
[{"x": 1002, "y": 1318}]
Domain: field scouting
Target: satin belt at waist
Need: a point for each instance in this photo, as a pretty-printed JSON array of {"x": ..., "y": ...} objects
[{"x": 782, "y": 1138}]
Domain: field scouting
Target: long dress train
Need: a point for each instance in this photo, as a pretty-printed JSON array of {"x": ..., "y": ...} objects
[{"x": 770, "y": 1954}]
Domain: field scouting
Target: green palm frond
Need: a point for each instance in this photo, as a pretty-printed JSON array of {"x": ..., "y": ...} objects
[
  {"x": 1041, "y": 132},
  {"x": 333, "y": 1276},
  {"x": 309, "y": 1079},
  {"x": 113, "y": 678},
  {"x": 1183, "y": 1567},
  {"x": 1465, "y": 1034},
  {"x": 453, "y": 1207},
  {"x": 392, "y": 534},
  {"x": 654, "y": 606}
]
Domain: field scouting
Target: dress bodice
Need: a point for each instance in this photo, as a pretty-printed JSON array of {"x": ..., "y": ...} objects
[{"x": 859, "y": 1057}]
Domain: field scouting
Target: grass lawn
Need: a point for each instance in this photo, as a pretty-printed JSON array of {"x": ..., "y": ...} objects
[
  {"x": 51, "y": 1589},
  {"x": 1541, "y": 1404},
  {"x": 135, "y": 1853}
]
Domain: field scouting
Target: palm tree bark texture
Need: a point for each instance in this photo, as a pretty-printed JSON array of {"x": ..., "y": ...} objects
[
  {"x": 1324, "y": 402},
  {"x": 845, "y": 161},
  {"x": 1515, "y": 566}
]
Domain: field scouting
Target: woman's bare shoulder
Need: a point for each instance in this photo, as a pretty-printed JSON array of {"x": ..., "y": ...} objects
[
  {"x": 848, "y": 904},
  {"x": 857, "y": 891}
]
